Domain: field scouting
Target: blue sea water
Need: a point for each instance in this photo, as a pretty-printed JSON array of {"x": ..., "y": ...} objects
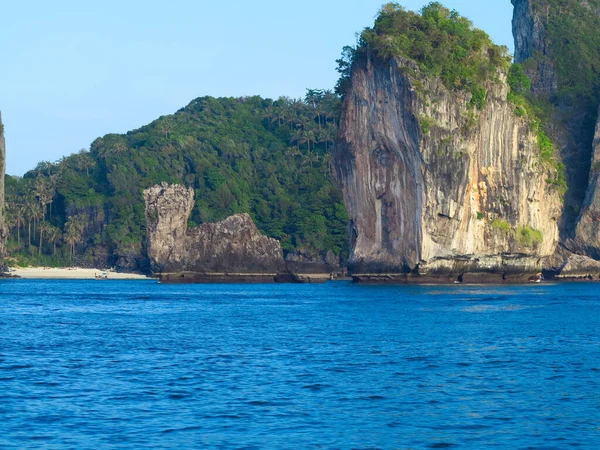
[{"x": 138, "y": 364}]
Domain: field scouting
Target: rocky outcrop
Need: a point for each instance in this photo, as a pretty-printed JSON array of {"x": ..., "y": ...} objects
[
  {"x": 542, "y": 30},
  {"x": 230, "y": 250},
  {"x": 435, "y": 189},
  {"x": 3, "y": 230},
  {"x": 303, "y": 261}
]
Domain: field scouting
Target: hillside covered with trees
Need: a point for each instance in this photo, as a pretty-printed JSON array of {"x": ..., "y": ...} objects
[{"x": 268, "y": 158}]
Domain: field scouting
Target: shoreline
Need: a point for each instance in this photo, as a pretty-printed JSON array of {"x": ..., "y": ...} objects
[
  {"x": 79, "y": 273},
  {"x": 71, "y": 273}
]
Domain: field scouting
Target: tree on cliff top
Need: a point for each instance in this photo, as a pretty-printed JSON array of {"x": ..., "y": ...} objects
[{"x": 442, "y": 43}]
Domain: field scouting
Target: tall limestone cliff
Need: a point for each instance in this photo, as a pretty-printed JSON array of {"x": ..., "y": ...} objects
[
  {"x": 230, "y": 250},
  {"x": 435, "y": 189},
  {"x": 557, "y": 43},
  {"x": 588, "y": 226},
  {"x": 3, "y": 231},
  {"x": 442, "y": 170}
]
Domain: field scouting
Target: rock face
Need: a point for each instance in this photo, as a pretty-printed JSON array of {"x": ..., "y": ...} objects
[
  {"x": 570, "y": 123},
  {"x": 3, "y": 231},
  {"x": 587, "y": 237},
  {"x": 529, "y": 31},
  {"x": 230, "y": 250},
  {"x": 436, "y": 189}
]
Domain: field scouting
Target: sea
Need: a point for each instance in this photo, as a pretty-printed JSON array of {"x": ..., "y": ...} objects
[{"x": 139, "y": 364}]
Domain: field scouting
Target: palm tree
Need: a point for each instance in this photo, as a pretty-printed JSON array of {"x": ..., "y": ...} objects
[
  {"x": 327, "y": 162},
  {"x": 44, "y": 227},
  {"x": 74, "y": 231},
  {"x": 35, "y": 213},
  {"x": 18, "y": 213},
  {"x": 84, "y": 161},
  {"x": 298, "y": 137},
  {"x": 44, "y": 192},
  {"x": 32, "y": 211},
  {"x": 53, "y": 234}
]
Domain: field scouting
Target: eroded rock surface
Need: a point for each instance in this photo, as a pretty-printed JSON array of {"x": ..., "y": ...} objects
[
  {"x": 587, "y": 237},
  {"x": 529, "y": 31},
  {"x": 568, "y": 121},
  {"x": 436, "y": 189},
  {"x": 230, "y": 250}
]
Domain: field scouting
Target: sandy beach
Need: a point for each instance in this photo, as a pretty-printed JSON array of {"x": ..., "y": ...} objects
[{"x": 71, "y": 273}]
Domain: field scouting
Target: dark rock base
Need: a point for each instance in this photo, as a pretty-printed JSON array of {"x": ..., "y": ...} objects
[
  {"x": 465, "y": 278},
  {"x": 194, "y": 277}
]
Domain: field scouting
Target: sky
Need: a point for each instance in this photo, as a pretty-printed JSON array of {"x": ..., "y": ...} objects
[{"x": 72, "y": 71}]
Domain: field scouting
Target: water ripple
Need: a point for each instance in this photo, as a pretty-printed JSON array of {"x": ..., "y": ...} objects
[{"x": 144, "y": 365}]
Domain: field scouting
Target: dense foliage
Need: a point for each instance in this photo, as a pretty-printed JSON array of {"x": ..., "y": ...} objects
[
  {"x": 527, "y": 106},
  {"x": 572, "y": 33},
  {"x": 442, "y": 43},
  {"x": 268, "y": 158}
]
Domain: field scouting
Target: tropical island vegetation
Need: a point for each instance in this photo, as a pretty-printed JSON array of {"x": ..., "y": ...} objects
[{"x": 268, "y": 158}]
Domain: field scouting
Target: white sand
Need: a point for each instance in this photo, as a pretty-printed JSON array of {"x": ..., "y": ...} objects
[{"x": 71, "y": 273}]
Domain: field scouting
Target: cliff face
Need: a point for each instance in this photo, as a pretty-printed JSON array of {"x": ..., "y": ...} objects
[
  {"x": 230, "y": 248},
  {"x": 3, "y": 231},
  {"x": 556, "y": 44},
  {"x": 435, "y": 188},
  {"x": 529, "y": 31},
  {"x": 587, "y": 236}
]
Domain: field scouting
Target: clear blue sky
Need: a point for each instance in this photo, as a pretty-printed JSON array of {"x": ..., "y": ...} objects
[{"x": 74, "y": 70}]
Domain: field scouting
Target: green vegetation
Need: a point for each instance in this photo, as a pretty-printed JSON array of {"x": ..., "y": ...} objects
[
  {"x": 525, "y": 105},
  {"x": 442, "y": 43},
  {"x": 525, "y": 235},
  {"x": 572, "y": 33},
  {"x": 480, "y": 215},
  {"x": 500, "y": 224},
  {"x": 572, "y": 50},
  {"x": 425, "y": 123},
  {"x": 520, "y": 86},
  {"x": 528, "y": 237},
  {"x": 268, "y": 158}
]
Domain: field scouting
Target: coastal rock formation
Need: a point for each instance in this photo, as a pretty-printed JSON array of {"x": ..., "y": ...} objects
[
  {"x": 303, "y": 261},
  {"x": 3, "y": 231},
  {"x": 230, "y": 250},
  {"x": 577, "y": 267},
  {"x": 435, "y": 189},
  {"x": 557, "y": 45}
]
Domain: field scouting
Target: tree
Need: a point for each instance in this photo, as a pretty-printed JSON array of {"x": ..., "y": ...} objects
[
  {"x": 44, "y": 227},
  {"x": 17, "y": 212},
  {"x": 74, "y": 231},
  {"x": 44, "y": 190},
  {"x": 34, "y": 212},
  {"x": 53, "y": 235},
  {"x": 84, "y": 161}
]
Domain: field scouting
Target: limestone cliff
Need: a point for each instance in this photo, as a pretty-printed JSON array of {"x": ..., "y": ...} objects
[
  {"x": 435, "y": 188},
  {"x": 232, "y": 249},
  {"x": 587, "y": 238},
  {"x": 529, "y": 31},
  {"x": 557, "y": 44},
  {"x": 3, "y": 231}
]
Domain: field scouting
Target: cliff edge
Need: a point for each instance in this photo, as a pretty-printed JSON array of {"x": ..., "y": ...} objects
[{"x": 230, "y": 250}]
